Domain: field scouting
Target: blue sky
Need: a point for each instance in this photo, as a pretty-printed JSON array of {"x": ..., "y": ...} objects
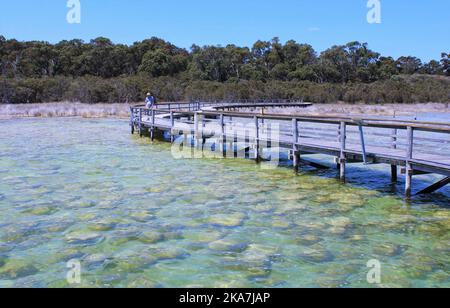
[{"x": 409, "y": 27}]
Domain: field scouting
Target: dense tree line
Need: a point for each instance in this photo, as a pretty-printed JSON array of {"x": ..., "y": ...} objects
[{"x": 101, "y": 71}]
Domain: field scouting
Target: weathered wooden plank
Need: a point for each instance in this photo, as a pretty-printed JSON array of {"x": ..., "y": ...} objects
[{"x": 435, "y": 186}]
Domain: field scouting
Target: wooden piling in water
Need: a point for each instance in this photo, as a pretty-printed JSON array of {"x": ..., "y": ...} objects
[
  {"x": 203, "y": 138},
  {"x": 235, "y": 145},
  {"x": 132, "y": 120},
  {"x": 394, "y": 168},
  {"x": 394, "y": 173},
  {"x": 196, "y": 131},
  {"x": 257, "y": 141},
  {"x": 247, "y": 144},
  {"x": 342, "y": 158},
  {"x": 409, "y": 155},
  {"x": 295, "y": 148},
  {"x": 152, "y": 129},
  {"x": 172, "y": 127},
  {"x": 223, "y": 137},
  {"x": 140, "y": 123}
]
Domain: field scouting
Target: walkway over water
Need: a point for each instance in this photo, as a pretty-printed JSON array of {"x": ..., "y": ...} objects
[{"x": 414, "y": 146}]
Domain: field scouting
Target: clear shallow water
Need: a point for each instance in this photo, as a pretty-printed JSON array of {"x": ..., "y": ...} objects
[{"x": 87, "y": 190}]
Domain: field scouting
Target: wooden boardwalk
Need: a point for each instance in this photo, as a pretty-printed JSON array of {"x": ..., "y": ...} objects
[{"x": 414, "y": 147}]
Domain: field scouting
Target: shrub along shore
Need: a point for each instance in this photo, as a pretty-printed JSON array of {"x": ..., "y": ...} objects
[{"x": 398, "y": 89}]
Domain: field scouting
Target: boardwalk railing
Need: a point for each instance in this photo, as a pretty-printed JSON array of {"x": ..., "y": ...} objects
[
  {"x": 416, "y": 147},
  {"x": 229, "y": 105}
]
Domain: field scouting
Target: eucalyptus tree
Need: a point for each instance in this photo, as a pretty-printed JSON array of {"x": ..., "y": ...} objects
[
  {"x": 386, "y": 68},
  {"x": 300, "y": 60},
  {"x": 334, "y": 65},
  {"x": 363, "y": 62},
  {"x": 409, "y": 65},
  {"x": 237, "y": 58},
  {"x": 445, "y": 62},
  {"x": 432, "y": 68},
  {"x": 159, "y": 63},
  {"x": 210, "y": 63}
]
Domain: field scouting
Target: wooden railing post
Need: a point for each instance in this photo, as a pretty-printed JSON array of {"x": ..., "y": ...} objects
[
  {"x": 235, "y": 143},
  {"x": 203, "y": 132},
  {"x": 196, "y": 124},
  {"x": 132, "y": 120},
  {"x": 152, "y": 130},
  {"x": 196, "y": 130},
  {"x": 363, "y": 143},
  {"x": 409, "y": 156},
  {"x": 140, "y": 122},
  {"x": 295, "y": 148},
  {"x": 222, "y": 137},
  {"x": 172, "y": 127},
  {"x": 257, "y": 141},
  {"x": 247, "y": 144},
  {"x": 394, "y": 169},
  {"x": 342, "y": 158}
]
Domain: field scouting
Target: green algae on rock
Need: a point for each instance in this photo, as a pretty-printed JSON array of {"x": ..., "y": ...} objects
[
  {"x": 169, "y": 253},
  {"x": 16, "y": 268},
  {"x": 228, "y": 245},
  {"x": 102, "y": 225},
  {"x": 387, "y": 249},
  {"x": 84, "y": 238},
  {"x": 227, "y": 220},
  {"x": 38, "y": 211},
  {"x": 317, "y": 253},
  {"x": 308, "y": 239},
  {"x": 151, "y": 237},
  {"x": 143, "y": 216}
]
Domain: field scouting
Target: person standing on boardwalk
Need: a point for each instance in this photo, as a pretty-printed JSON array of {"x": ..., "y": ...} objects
[{"x": 149, "y": 101}]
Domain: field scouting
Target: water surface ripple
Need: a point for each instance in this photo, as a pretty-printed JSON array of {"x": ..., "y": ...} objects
[{"x": 134, "y": 216}]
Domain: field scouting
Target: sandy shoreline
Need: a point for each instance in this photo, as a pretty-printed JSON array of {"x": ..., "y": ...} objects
[{"x": 49, "y": 110}]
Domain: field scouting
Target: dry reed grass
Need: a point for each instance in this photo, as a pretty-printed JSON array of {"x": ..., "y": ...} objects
[
  {"x": 66, "y": 109},
  {"x": 49, "y": 110},
  {"x": 364, "y": 110}
]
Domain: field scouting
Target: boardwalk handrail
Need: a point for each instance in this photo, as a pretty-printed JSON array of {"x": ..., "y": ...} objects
[
  {"x": 233, "y": 104},
  {"x": 440, "y": 127}
]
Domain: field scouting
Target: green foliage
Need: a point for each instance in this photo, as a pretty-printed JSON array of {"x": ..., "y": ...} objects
[
  {"x": 409, "y": 65},
  {"x": 127, "y": 89},
  {"x": 101, "y": 71},
  {"x": 445, "y": 62}
]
